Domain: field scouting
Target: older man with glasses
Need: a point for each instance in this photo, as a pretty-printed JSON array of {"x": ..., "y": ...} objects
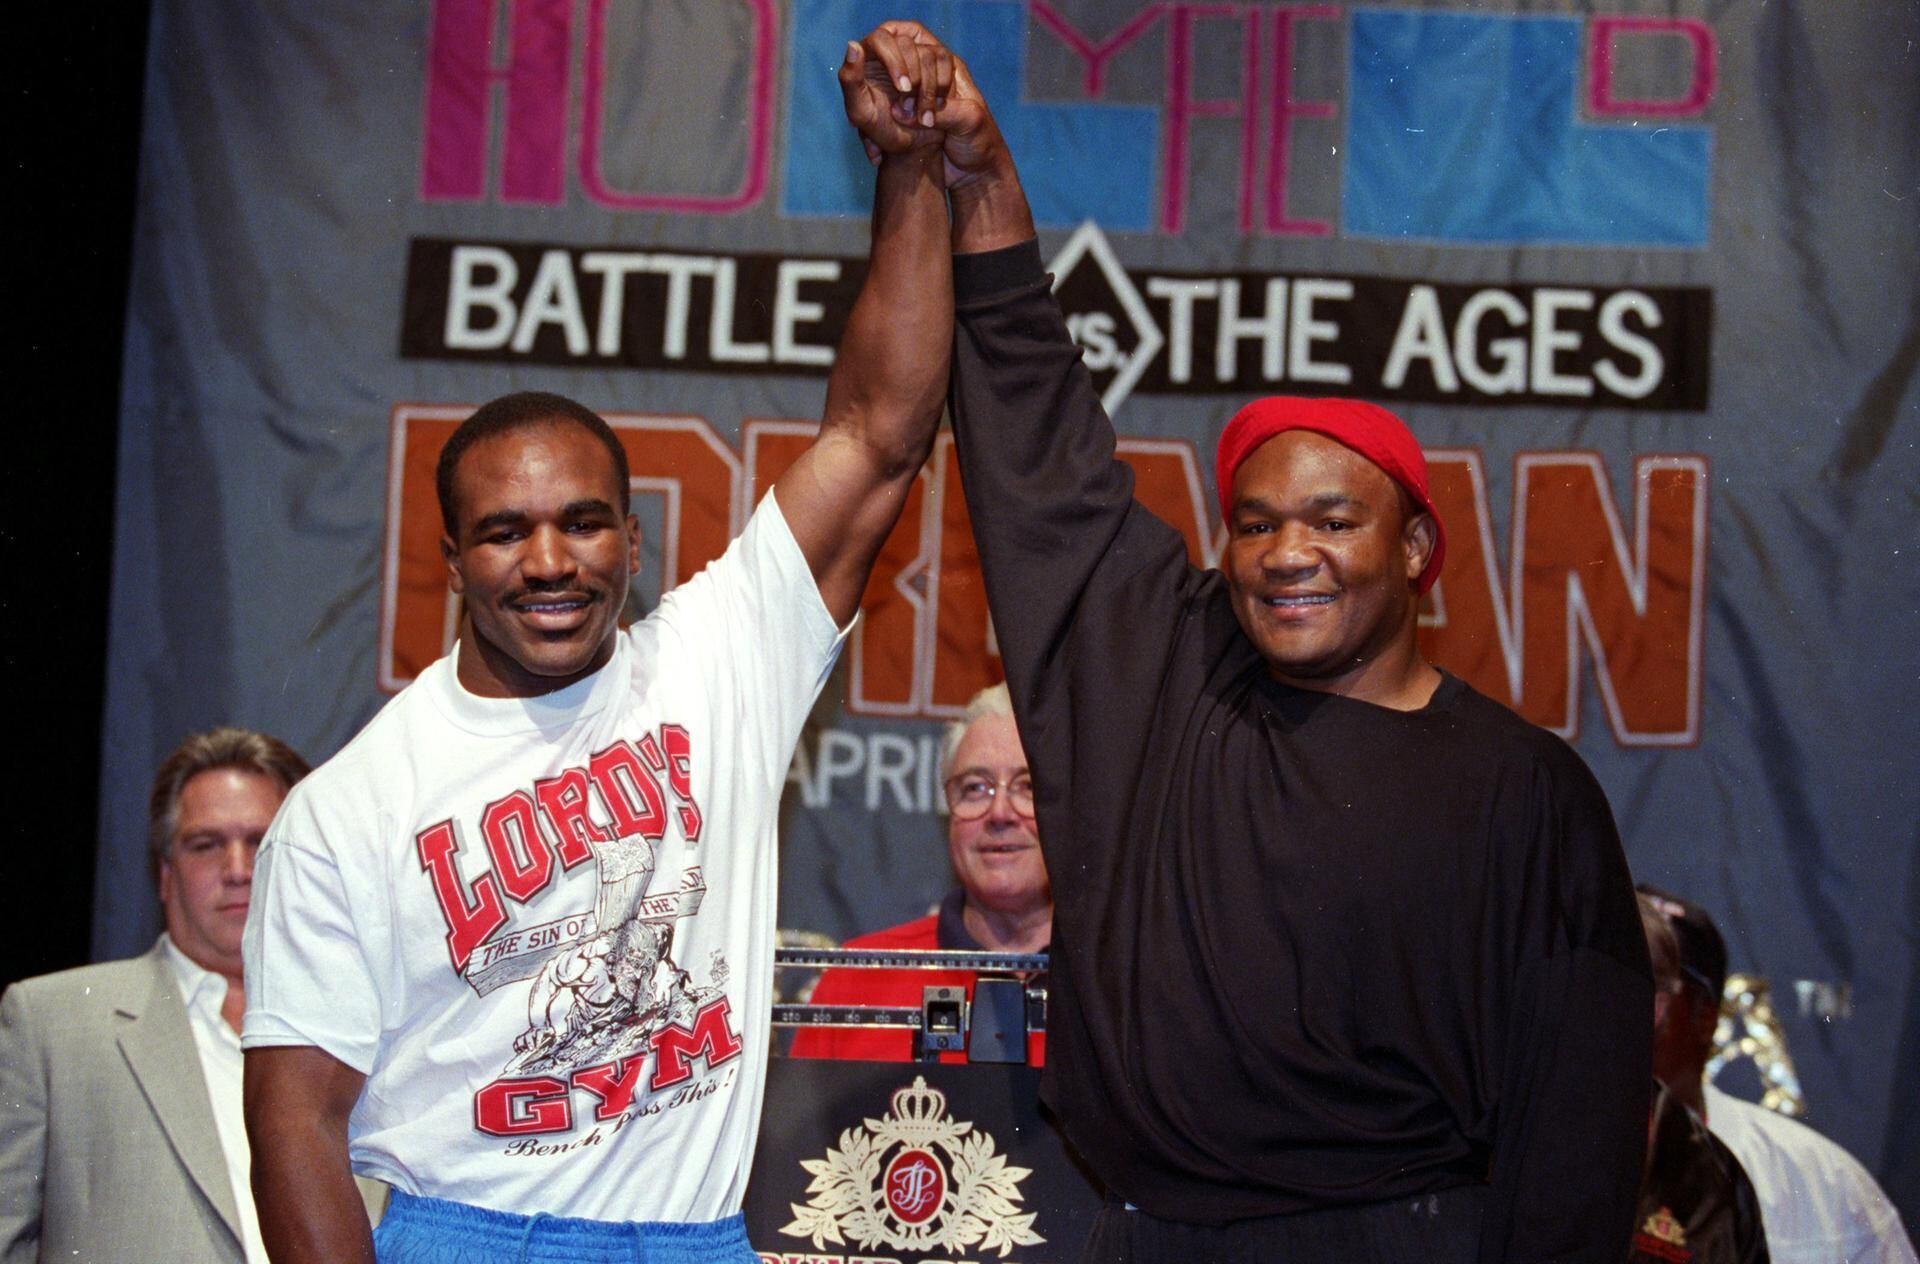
[{"x": 1004, "y": 902}]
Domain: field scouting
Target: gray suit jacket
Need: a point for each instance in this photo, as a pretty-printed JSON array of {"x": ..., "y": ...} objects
[{"x": 108, "y": 1149}]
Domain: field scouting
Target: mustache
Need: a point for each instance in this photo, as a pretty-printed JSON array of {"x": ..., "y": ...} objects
[{"x": 558, "y": 588}]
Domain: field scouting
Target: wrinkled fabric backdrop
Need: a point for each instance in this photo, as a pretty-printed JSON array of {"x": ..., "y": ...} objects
[{"x": 1642, "y": 278}]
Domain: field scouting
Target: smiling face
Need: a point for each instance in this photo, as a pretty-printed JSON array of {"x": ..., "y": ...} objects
[
  {"x": 1322, "y": 555},
  {"x": 542, "y": 556},
  {"x": 997, "y": 856},
  {"x": 206, "y": 875}
]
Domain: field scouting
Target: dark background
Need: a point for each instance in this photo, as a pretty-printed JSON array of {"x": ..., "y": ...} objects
[{"x": 73, "y": 105}]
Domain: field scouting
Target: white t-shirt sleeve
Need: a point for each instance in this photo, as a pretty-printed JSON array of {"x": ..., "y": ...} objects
[
  {"x": 1819, "y": 1205},
  {"x": 755, "y": 623},
  {"x": 308, "y": 982}
]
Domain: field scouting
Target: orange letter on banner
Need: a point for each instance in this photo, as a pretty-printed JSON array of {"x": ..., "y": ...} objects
[
  {"x": 770, "y": 447},
  {"x": 886, "y": 640},
  {"x": 417, "y": 615},
  {"x": 1465, "y": 628},
  {"x": 965, "y": 660},
  {"x": 1635, "y": 604},
  {"x": 1166, "y": 479},
  {"x": 684, "y": 461}
]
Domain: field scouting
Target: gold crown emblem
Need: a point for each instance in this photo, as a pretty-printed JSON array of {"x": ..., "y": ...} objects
[
  {"x": 1662, "y": 1227},
  {"x": 919, "y": 1113}
]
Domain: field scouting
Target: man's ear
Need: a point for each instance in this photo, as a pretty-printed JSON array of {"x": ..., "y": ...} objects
[
  {"x": 450, "y": 554},
  {"x": 1417, "y": 539},
  {"x": 633, "y": 544},
  {"x": 162, "y": 873}
]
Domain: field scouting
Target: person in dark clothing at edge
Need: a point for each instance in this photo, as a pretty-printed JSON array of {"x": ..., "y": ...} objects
[
  {"x": 1697, "y": 1205},
  {"x": 1346, "y": 963},
  {"x": 1818, "y": 1203}
]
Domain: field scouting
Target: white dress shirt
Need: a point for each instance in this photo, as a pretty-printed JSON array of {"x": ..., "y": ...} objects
[
  {"x": 204, "y": 992},
  {"x": 1818, "y": 1204}
]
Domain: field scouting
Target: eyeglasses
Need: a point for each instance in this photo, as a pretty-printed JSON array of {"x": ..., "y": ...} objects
[{"x": 970, "y": 795}]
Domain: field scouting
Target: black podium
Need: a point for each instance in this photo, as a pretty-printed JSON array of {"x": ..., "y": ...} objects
[{"x": 904, "y": 1162}]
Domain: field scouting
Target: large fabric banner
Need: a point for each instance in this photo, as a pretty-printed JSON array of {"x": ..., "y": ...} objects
[{"x": 1641, "y": 276}]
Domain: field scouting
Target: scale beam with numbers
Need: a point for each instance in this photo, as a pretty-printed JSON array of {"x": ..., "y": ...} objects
[{"x": 1009, "y": 999}]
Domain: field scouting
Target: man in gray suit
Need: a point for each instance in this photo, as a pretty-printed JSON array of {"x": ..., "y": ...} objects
[{"x": 120, "y": 1128}]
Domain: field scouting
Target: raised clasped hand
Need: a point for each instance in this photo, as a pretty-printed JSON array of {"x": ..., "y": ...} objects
[{"x": 904, "y": 89}]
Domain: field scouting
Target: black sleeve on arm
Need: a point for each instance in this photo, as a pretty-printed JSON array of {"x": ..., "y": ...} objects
[
  {"x": 1577, "y": 1062},
  {"x": 1052, "y": 506}
]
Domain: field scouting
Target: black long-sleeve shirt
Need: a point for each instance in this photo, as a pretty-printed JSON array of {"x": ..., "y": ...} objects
[{"x": 1308, "y": 951}]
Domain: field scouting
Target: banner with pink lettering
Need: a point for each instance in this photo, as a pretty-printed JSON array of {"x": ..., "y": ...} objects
[{"x": 1641, "y": 276}]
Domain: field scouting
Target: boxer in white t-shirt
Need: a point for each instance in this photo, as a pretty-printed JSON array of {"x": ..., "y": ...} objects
[{"x": 511, "y": 948}]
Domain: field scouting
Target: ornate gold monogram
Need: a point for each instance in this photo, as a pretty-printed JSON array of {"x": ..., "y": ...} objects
[{"x": 915, "y": 1180}]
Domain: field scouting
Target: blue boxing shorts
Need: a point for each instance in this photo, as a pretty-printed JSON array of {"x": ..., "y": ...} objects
[{"x": 434, "y": 1231}]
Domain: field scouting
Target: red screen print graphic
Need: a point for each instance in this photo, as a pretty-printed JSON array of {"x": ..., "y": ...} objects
[
  {"x": 539, "y": 1105},
  {"x": 605, "y": 988}
]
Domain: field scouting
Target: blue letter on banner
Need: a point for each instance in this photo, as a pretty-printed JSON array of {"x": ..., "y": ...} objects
[
  {"x": 1463, "y": 128},
  {"x": 1082, "y": 161}
]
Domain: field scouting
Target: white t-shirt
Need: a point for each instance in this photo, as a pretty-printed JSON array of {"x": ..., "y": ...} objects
[
  {"x": 1818, "y": 1204},
  {"x": 543, "y": 927}
]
